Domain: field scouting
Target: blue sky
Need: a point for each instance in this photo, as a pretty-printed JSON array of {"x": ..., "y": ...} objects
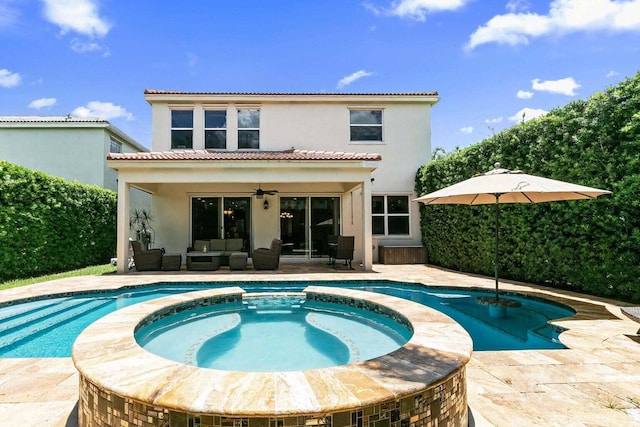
[{"x": 490, "y": 60}]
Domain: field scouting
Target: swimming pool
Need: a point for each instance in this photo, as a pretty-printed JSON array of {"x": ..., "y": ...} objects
[{"x": 48, "y": 327}]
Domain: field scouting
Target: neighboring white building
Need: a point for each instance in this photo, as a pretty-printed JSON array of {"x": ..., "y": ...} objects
[
  {"x": 68, "y": 147},
  {"x": 339, "y": 164}
]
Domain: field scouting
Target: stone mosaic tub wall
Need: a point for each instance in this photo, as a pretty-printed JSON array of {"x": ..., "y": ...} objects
[
  {"x": 442, "y": 405},
  {"x": 420, "y": 384}
]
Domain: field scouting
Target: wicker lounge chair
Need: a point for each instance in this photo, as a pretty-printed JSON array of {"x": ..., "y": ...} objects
[
  {"x": 149, "y": 260},
  {"x": 344, "y": 250},
  {"x": 268, "y": 259}
]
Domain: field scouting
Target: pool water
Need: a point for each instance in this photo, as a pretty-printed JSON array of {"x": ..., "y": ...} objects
[
  {"x": 260, "y": 335},
  {"x": 48, "y": 327}
]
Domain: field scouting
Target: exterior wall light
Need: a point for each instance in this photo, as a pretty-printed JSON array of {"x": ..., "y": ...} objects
[{"x": 265, "y": 204}]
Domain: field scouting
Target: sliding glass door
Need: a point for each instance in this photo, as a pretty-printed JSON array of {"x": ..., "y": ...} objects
[
  {"x": 221, "y": 217},
  {"x": 325, "y": 221},
  {"x": 306, "y": 223},
  {"x": 293, "y": 225},
  {"x": 237, "y": 220}
]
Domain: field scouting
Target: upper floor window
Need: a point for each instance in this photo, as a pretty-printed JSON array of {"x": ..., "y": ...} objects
[
  {"x": 366, "y": 125},
  {"x": 181, "y": 129},
  {"x": 115, "y": 146},
  {"x": 249, "y": 129},
  {"x": 390, "y": 215},
  {"x": 215, "y": 129}
]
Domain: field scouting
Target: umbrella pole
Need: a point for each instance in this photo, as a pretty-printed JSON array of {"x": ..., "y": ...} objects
[{"x": 495, "y": 262}]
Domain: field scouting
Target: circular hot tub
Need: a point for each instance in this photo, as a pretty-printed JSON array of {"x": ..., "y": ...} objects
[
  {"x": 416, "y": 382},
  {"x": 274, "y": 332}
]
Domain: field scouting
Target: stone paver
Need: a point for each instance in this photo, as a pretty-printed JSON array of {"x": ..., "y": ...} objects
[{"x": 596, "y": 382}]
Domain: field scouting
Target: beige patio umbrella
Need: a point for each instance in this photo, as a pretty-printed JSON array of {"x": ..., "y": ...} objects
[{"x": 506, "y": 186}]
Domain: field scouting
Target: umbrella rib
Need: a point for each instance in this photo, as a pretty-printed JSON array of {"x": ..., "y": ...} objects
[
  {"x": 586, "y": 195},
  {"x": 528, "y": 198},
  {"x": 474, "y": 199}
]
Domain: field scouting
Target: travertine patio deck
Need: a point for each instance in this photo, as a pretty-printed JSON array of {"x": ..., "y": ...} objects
[{"x": 593, "y": 383}]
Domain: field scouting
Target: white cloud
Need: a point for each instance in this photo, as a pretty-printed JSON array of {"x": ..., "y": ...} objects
[
  {"x": 612, "y": 73},
  {"x": 467, "y": 129},
  {"x": 9, "y": 79},
  {"x": 347, "y": 80},
  {"x": 517, "y": 5},
  {"x": 527, "y": 114},
  {"x": 42, "y": 103},
  {"x": 80, "y": 16},
  {"x": 565, "y": 86},
  {"x": 416, "y": 9},
  {"x": 493, "y": 121},
  {"x": 104, "y": 110},
  {"x": 8, "y": 14},
  {"x": 524, "y": 94},
  {"x": 80, "y": 46},
  {"x": 564, "y": 16}
]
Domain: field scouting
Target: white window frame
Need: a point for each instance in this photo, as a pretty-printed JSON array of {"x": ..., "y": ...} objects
[
  {"x": 179, "y": 128},
  {"x": 239, "y": 129},
  {"x": 381, "y": 126},
  {"x": 115, "y": 146},
  {"x": 386, "y": 215},
  {"x": 225, "y": 129}
]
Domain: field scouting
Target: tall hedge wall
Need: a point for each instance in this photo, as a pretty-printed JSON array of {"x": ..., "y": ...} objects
[
  {"x": 50, "y": 225},
  {"x": 592, "y": 246}
]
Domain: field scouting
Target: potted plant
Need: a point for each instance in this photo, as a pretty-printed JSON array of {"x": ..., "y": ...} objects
[{"x": 140, "y": 222}]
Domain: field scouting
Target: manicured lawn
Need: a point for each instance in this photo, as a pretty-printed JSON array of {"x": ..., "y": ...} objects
[{"x": 87, "y": 271}]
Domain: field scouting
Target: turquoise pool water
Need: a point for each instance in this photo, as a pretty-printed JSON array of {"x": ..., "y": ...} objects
[
  {"x": 272, "y": 333},
  {"x": 48, "y": 327}
]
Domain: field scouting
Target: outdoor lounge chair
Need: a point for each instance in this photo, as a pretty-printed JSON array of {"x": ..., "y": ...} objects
[
  {"x": 268, "y": 259},
  {"x": 332, "y": 242},
  {"x": 149, "y": 260},
  {"x": 344, "y": 250}
]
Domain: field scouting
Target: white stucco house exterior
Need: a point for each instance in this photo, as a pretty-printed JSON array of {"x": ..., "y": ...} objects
[
  {"x": 335, "y": 163},
  {"x": 72, "y": 148}
]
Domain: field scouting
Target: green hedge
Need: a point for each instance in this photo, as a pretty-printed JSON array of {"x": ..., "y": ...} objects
[
  {"x": 591, "y": 246},
  {"x": 49, "y": 225}
]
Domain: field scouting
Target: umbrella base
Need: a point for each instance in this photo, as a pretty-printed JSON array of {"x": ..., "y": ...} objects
[{"x": 498, "y": 307}]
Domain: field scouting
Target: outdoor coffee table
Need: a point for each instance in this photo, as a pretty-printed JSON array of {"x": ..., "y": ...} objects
[{"x": 203, "y": 260}]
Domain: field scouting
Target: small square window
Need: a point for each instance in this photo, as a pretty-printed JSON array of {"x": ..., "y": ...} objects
[
  {"x": 390, "y": 215},
  {"x": 366, "y": 125},
  {"x": 115, "y": 146}
]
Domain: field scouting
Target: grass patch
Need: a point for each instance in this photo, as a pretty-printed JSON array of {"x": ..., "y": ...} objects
[{"x": 87, "y": 271}]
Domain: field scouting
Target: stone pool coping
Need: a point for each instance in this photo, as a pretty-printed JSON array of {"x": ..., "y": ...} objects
[{"x": 107, "y": 354}]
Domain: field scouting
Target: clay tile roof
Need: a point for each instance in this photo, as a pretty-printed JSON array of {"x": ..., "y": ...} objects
[
  {"x": 175, "y": 92},
  {"x": 213, "y": 155},
  {"x": 50, "y": 119}
]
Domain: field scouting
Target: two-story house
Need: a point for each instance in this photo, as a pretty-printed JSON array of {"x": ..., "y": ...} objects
[
  {"x": 72, "y": 148},
  {"x": 294, "y": 166}
]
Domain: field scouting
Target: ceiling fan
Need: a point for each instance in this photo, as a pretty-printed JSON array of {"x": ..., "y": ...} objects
[{"x": 259, "y": 192}]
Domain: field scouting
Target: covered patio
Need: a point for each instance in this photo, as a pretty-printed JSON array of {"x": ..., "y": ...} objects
[{"x": 214, "y": 194}]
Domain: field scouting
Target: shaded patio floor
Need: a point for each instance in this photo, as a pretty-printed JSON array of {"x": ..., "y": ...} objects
[{"x": 595, "y": 382}]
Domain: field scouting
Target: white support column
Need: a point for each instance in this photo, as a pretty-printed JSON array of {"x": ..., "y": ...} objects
[
  {"x": 367, "y": 241},
  {"x": 124, "y": 196}
]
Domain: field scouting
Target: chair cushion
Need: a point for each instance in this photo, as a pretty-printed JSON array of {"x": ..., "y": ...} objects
[
  {"x": 234, "y": 245},
  {"x": 218, "y": 245},
  {"x": 199, "y": 245}
]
